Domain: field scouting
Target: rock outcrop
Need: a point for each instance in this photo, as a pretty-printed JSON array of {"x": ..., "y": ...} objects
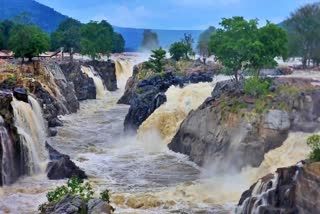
[
  {"x": 71, "y": 204},
  {"x": 235, "y": 130},
  {"x": 83, "y": 85},
  {"x": 107, "y": 71},
  {"x": 293, "y": 189},
  {"x": 147, "y": 95},
  {"x": 61, "y": 167}
]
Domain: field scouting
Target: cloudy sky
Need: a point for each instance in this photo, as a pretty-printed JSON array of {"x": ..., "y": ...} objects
[{"x": 173, "y": 14}]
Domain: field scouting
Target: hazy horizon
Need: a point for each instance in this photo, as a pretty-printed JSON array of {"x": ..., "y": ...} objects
[{"x": 174, "y": 14}]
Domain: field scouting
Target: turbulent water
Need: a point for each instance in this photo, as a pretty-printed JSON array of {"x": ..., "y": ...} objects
[
  {"x": 30, "y": 124},
  {"x": 100, "y": 88},
  {"x": 7, "y": 162},
  {"x": 142, "y": 174}
]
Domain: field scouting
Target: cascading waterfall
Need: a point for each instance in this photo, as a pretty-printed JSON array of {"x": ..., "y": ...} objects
[
  {"x": 31, "y": 127},
  {"x": 124, "y": 69},
  {"x": 180, "y": 101},
  {"x": 7, "y": 163},
  {"x": 101, "y": 90}
]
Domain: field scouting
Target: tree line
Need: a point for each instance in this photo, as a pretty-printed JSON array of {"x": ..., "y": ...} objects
[{"x": 27, "y": 40}]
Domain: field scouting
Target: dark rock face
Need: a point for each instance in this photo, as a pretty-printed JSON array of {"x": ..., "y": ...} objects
[
  {"x": 73, "y": 205},
  {"x": 21, "y": 94},
  {"x": 83, "y": 85},
  {"x": 215, "y": 134},
  {"x": 107, "y": 71},
  {"x": 6, "y": 113},
  {"x": 61, "y": 166},
  {"x": 149, "y": 95},
  {"x": 292, "y": 190},
  {"x": 70, "y": 204},
  {"x": 130, "y": 87}
]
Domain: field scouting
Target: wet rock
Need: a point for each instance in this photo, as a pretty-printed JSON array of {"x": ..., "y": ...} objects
[
  {"x": 55, "y": 122},
  {"x": 83, "y": 85},
  {"x": 107, "y": 71},
  {"x": 68, "y": 205},
  {"x": 52, "y": 132},
  {"x": 61, "y": 166},
  {"x": 295, "y": 189},
  {"x": 98, "y": 206},
  {"x": 149, "y": 94},
  {"x": 215, "y": 133},
  {"x": 21, "y": 94}
]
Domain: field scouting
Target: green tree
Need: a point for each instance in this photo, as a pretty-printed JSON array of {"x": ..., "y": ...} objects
[
  {"x": 314, "y": 143},
  {"x": 240, "y": 44},
  {"x": 178, "y": 50},
  {"x": 157, "y": 60},
  {"x": 118, "y": 43},
  {"x": 67, "y": 36},
  {"x": 28, "y": 41},
  {"x": 304, "y": 32},
  {"x": 5, "y": 27},
  {"x": 150, "y": 40},
  {"x": 96, "y": 39},
  {"x": 203, "y": 42}
]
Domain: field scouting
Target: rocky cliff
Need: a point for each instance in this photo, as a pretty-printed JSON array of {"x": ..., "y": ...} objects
[
  {"x": 145, "y": 92},
  {"x": 293, "y": 189},
  {"x": 236, "y": 130}
]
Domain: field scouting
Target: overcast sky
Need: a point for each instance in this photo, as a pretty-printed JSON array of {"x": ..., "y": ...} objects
[{"x": 173, "y": 14}]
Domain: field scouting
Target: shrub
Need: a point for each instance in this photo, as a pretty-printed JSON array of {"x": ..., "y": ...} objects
[
  {"x": 314, "y": 142},
  {"x": 105, "y": 196},
  {"x": 74, "y": 187},
  {"x": 255, "y": 86},
  {"x": 261, "y": 106}
]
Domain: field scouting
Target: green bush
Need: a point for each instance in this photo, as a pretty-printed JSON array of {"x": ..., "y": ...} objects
[
  {"x": 314, "y": 142},
  {"x": 256, "y": 87},
  {"x": 74, "y": 187},
  {"x": 105, "y": 196}
]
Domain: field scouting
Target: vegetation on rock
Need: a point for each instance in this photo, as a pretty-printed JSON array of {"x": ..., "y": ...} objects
[
  {"x": 314, "y": 143},
  {"x": 178, "y": 50},
  {"x": 157, "y": 60}
]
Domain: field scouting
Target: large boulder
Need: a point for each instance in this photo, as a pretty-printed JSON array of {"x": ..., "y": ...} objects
[
  {"x": 21, "y": 94},
  {"x": 84, "y": 86},
  {"x": 61, "y": 166},
  {"x": 293, "y": 189},
  {"x": 226, "y": 128}
]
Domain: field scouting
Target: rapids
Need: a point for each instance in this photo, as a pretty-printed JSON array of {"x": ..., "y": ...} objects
[{"x": 142, "y": 174}]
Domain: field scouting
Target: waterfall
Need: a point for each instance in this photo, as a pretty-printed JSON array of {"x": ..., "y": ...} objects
[
  {"x": 180, "y": 101},
  {"x": 31, "y": 127},
  {"x": 8, "y": 172},
  {"x": 100, "y": 88},
  {"x": 124, "y": 69}
]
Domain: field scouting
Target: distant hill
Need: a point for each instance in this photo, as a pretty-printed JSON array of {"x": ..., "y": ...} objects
[
  {"x": 48, "y": 19},
  {"x": 45, "y": 17}
]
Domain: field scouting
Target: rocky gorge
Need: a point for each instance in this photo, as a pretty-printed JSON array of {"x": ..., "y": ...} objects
[
  {"x": 53, "y": 87},
  {"x": 216, "y": 124}
]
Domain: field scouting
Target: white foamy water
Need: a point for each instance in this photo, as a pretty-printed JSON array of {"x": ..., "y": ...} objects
[
  {"x": 100, "y": 88},
  {"x": 31, "y": 127}
]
